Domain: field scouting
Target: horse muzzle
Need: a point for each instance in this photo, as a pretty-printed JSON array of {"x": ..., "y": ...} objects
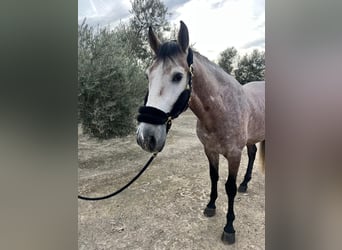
[{"x": 151, "y": 137}]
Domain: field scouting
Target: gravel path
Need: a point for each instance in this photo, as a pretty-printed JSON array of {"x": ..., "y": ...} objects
[{"x": 163, "y": 209}]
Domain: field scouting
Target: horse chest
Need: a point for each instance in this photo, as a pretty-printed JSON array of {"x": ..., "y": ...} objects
[
  {"x": 211, "y": 139},
  {"x": 220, "y": 140}
]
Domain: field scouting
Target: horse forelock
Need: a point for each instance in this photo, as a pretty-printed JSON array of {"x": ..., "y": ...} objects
[{"x": 168, "y": 50}]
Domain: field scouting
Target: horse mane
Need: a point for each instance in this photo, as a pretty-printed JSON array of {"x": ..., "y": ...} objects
[
  {"x": 170, "y": 49},
  {"x": 221, "y": 75}
]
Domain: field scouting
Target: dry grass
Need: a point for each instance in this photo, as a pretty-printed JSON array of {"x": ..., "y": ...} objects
[{"x": 163, "y": 208}]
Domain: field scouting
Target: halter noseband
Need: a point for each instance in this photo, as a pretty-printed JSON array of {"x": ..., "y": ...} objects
[{"x": 158, "y": 117}]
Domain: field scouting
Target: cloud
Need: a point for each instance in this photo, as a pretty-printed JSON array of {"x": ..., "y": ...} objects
[
  {"x": 103, "y": 12},
  {"x": 257, "y": 43},
  {"x": 174, "y": 4},
  {"x": 213, "y": 25},
  {"x": 218, "y": 4},
  {"x": 258, "y": 7}
]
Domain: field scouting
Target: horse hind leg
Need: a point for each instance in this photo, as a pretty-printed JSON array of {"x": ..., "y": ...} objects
[
  {"x": 213, "y": 158},
  {"x": 251, "y": 151}
]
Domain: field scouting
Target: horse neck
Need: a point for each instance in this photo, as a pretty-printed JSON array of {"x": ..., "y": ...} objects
[{"x": 210, "y": 85}]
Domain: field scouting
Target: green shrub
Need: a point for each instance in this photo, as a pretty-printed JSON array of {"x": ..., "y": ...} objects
[
  {"x": 251, "y": 67},
  {"x": 111, "y": 83}
]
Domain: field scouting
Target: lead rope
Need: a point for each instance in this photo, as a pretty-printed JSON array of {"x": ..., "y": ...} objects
[{"x": 124, "y": 187}]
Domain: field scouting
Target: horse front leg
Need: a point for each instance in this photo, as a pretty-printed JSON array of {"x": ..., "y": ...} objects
[
  {"x": 213, "y": 159},
  {"x": 251, "y": 151},
  {"x": 228, "y": 235}
]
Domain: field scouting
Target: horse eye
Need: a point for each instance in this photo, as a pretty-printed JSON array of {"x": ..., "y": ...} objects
[{"x": 177, "y": 77}]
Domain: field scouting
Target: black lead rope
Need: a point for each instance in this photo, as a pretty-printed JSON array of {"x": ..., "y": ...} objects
[{"x": 124, "y": 187}]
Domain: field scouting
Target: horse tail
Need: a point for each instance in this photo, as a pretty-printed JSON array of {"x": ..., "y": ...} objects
[{"x": 262, "y": 155}]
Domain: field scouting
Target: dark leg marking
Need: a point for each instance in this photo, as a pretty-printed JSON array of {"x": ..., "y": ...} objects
[
  {"x": 210, "y": 210},
  {"x": 228, "y": 235},
  {"x": 251, "y": 150}
]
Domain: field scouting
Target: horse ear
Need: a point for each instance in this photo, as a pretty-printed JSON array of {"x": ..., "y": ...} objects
[
  {"x": 183, "y": 36},
  {"x": 153, "y": 40}
]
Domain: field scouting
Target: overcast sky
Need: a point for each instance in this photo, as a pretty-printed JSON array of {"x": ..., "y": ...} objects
[{"x": 213, "y": 25}]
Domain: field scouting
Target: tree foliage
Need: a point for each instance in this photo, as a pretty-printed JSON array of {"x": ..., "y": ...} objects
[
  {"x": 251, "y": 67},
  {"x": 147, "y": 13},
  {"x": 246, "y": 68},
  {"x": 110, "y": 86},
  {"x": 227, "y": 58},
  {"x": 111, "y": 66}
]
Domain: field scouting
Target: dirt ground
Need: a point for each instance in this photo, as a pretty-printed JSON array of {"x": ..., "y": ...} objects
[{"x": 163, "y": 209}]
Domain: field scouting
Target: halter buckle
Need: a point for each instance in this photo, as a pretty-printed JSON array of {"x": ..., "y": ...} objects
[
  {"x": 169, "y": 120},
  {"x": 191, "y": 70},
  {"x": 168, "y": 124}
]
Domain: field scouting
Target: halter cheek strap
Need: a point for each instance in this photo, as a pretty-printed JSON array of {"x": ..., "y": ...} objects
[{"x": 158, "y": 117}]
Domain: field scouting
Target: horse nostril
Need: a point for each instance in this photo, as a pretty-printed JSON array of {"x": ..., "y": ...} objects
[{"x": 152, "y": 142}]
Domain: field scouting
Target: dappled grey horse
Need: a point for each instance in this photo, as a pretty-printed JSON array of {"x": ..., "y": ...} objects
[{"x": 230, "y": 116}]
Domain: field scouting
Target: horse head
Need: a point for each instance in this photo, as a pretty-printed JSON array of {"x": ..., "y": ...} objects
[{"x": 169, "y": 89}]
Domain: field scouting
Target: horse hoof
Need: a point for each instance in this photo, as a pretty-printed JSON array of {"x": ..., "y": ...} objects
[
  {"x": 209, "y": 212},
  {"x": 242, "y": 189},
  {"x": 228, "y": 238}
]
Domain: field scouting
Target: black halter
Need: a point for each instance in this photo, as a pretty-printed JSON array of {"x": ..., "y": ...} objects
[{"x": 156, "y": 116}]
